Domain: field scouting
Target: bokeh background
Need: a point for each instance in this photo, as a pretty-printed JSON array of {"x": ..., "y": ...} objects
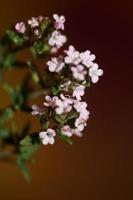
[{"x": 100, "y": 165}]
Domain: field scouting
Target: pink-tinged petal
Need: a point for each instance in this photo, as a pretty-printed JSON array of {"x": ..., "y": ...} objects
[
  {"x": 94, "y": 79},
  {"x": 52, "y": 141},
  {"x": 56, "y": 17},
  {"x": 45, "y": 141},
  {"x": 20, "y": 27},
  {"x": 92, "y": 57},
  {"x": 99, "y": 72},
  {"x": 42, "y": 134},
  {"x": 95, "y": 66}
]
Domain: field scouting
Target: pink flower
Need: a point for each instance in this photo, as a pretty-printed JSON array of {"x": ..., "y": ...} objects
[
  {"x": 87, "y": 58},
  {"x": 78, "y": 92},
  {"x": 33, "y": 22},
  {"x": 80, "y": 105},
  {"x": 51, "y": 101},
  {"x": 57, "y": 39},
  {"x": 64, "y": 105},
  {"x": 94, "y": 73},
  {"x": 59, "y": 21},
  {"x": 20, "y": 27},
  {"x": 48, "y": 136},
  {"x": 77, "y": 132},
  {"x": 66, "y": 130},
  {"x": 79, "y": 72},
  {"x": 73, "y": 56},
  {"x": 55, "y": 65},
  {"x": 80, "y": 124}
]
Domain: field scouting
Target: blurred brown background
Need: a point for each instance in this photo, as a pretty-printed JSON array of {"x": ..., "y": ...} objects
[{"x": 100, "y": 165}]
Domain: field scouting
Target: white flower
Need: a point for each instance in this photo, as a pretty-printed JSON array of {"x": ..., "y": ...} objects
[
  {"x": 79, "y": 72},
  {"x": 57, "y": 39},
  {"x": 66, "y": 130},
  {"x": 55, "y": 65},
  {"x": 80, "y": 124},
  {"x": 59, "y": 21},
  {"x": 77, "y": 132},
  {"x": 20, "y": 27},
  {"x": 36, "y": 110},
  {"x": 94, "y": 73},
  {"x": 79, "y": 91},
  {"x": 80, "y": 106},
  {"x": 63, "y": 105},
  {"x": 87, "y": 58},
  {"x": 48, "y": 136},
  {"x": 51, "y": 101},
  {"x": 33, "y": 22},
  {"x": 73, "y": 56},
  {"x": 84, "y": 115}
]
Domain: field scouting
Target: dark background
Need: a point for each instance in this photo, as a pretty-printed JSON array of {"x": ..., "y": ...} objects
[{"x": 100, "y": 165}]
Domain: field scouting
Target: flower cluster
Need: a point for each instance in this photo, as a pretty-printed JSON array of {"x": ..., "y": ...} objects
[
  {"x": 65, "y": 113},
  {"x": 61, "y": 81},
  {"x": 81, "y": 65},
  {"x": 36, "y": 25}
]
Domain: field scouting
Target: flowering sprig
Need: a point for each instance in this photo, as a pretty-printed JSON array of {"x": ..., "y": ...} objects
[{"x": 61, "y": 82}]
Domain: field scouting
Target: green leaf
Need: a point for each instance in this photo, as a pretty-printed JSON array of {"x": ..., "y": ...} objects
[
  {"x": 28, "y": 146},
  {"x": 4, "y": 133},
  {"x": 45, "y": 24},
  {"x": 15, "y": 38},
  {"x": 24, "y": 169},
  {"x": 55, "y": 90},
  {"x": 60, "y": 118},
  {"x": 6, "y": 115},
  {"x": 26, "y": 141},
  {"x": 40, "y": 48},
  {"x": 72, "y": 115},
  {"x": 9, "y": 59},
  {"x": 15, "y": 95}
]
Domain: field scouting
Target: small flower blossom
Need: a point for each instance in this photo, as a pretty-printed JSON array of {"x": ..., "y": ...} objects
[
  {"x": 87, "y": 58},
  {"x": 63, "y": 105},
  {"x": 20, "y": 27},
  {"x": 33, "y": 22},
  {"x": 80, "y": 106},
  {"x": 66, "y": 130},
  {"x": 55, "y": 65},
  {"x": 73, "y": 56},
  {"x": 48, "y": 136},
  {"x": 51, "y": 101},
  {"x": 80, "y": 124},
  {"x": 36, "y": 110},
  {"x": 57, "y": 39},
  {"x": 79, "y": 72},
  {"x": 78, "y": 92},
  {"x": 77, "y": 132},
  {"x": 94, "y": 73},
  {"x": 59, "y": 21}
]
